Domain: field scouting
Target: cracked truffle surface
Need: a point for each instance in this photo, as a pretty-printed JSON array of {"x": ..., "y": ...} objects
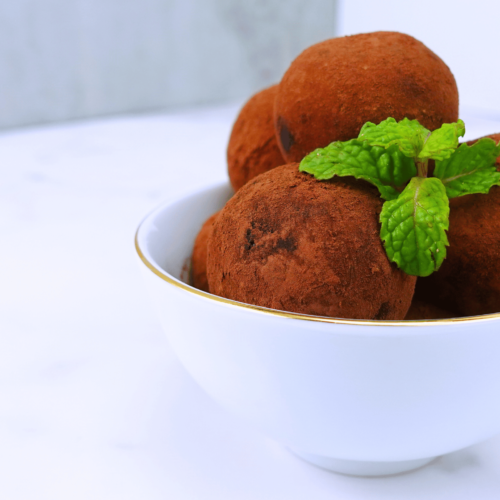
[
  {"x": 287, "y": 241},
  {"x": 468, "y": 282},
  {"x": 334, "y": 87},
  {"x": 253, "y": 148},
  {"x": 199, "y": 258}
]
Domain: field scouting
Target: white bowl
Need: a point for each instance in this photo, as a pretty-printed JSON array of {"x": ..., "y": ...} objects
[{"x": 358, "y": 397}]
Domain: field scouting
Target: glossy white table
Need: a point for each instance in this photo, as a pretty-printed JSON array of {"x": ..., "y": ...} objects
[{"x": 93, "y": 403}]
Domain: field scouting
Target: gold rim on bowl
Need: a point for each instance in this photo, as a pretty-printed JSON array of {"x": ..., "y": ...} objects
[{"x": 307, "y": 317}]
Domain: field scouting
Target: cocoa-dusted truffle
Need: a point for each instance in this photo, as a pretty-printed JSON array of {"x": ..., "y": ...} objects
[
  {"x": 253, "y": 148},
  {"x": 289, "y": 242},
  {"x": 425, "y": 310},
  {"x": 468, "y": 282},
  {"x": 334, "y": 87},
  {"x": 199, "y": 258}
]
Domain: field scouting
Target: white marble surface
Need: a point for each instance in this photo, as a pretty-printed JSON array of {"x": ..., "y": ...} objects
[{"x": 93, "y": 403}]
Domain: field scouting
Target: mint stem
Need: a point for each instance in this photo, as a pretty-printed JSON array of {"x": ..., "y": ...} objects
[{"x": 422, "y": 168}]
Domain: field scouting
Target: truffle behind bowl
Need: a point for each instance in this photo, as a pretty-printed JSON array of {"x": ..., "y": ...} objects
[
  {"x": 354, "y": 396},
  {"x": 333, "y": 87},
  {"x": 253, "y": 148},
  {"x": 199, "y": 257}
]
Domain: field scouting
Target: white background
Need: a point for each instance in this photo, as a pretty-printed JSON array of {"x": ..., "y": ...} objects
[{"x": 67, "y": 59}]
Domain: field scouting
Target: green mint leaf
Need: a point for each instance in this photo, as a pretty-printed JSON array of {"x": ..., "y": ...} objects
[
  {"x": 470, "y": 169},
  {"x": 388, "y": 169},
  {"x": 409, "y": 135},
  {"x": 414, "y": 225},
  {"x": 442, "y": 142}
]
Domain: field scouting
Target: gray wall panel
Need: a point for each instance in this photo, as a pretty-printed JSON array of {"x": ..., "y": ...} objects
[{"x": 69, "y": 59}]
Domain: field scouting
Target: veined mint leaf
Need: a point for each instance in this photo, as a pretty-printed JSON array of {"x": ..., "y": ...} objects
[
  {"x": 388, "y": 169},
  {"x": 442, "y": 142},
  {"x": 414, "y": 225},
  {"x": 409, "y": 135},
  {"x": 470, "y": 169}
]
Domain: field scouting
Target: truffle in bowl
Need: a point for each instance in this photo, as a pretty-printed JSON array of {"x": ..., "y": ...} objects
[{"x": 360, "y": 397}]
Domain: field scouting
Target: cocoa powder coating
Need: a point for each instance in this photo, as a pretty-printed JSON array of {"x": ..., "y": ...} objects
[
  {"x": 253, "y": 148},
  {"x": 468, "y": 282},
  {"x": 287, "y": 241},
  {"x": 334, "y": 87},
  {"x": 199, "y": 258}
]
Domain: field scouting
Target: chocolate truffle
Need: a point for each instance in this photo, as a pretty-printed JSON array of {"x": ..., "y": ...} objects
[
  {"x": 199, "y": 258},
  {"x": 468, "y": 282},
  {"x": 334, "y": 87},
  {"x": 287, "y": 241},
  {"x": 425, "y": 310},
  {"x": 253, "y": 148}
]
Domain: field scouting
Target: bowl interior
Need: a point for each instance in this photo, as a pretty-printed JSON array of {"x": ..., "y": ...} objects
[
  {"x": 165, "y": 241},
  {"x": 167, "y": 235}
]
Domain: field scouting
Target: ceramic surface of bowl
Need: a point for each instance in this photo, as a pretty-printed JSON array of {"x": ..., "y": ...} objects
[{"x": 359, "y": 397}]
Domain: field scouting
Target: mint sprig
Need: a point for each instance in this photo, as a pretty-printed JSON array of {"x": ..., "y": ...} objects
[
  {"x": 442, "y": 142},
  {"x": 408, "y": 135},
  {"x": 414, "y": 225},
  {"x": 470, "y": 169},
  {"x": 413, "y": 139},
  {"x": 388, "y": 169},
  {"x": 394, "y": 157}
]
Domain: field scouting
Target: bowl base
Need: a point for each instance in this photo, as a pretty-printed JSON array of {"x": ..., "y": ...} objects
[{"x": 360, "y": 468}]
